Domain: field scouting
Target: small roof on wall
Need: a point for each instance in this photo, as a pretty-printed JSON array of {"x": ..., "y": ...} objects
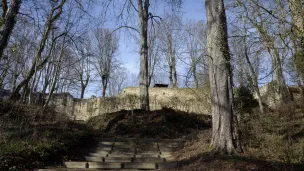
[{"x": 160, "y": 85}]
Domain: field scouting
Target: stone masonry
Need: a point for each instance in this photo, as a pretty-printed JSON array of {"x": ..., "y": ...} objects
[{"x": 184, "y": 99}]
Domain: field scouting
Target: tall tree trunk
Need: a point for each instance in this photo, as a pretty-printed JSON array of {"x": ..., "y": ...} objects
[
  {"x": 104, "y": 82},
  {"x": 174, "y": 71},
  {"x": 297, "y": 13},
  {"x": 56, "y": 75},
  {"x": 9, "y": 20},
  {"x": 223, "y": 140},
  {"x": 194, "y": 74},
  {"x": 143, "y": 13}
]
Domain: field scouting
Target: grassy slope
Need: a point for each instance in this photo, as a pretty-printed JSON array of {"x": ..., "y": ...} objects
[
  {"x": 31, "y": 138},
  {"x": 165, "y": 123}
]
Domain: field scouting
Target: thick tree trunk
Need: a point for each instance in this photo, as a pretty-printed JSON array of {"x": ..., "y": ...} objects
[
  {"x": 143, "y": 74},
  {"x": 171, "y": 62},
  {"x": 82, "y": 92},
  {"x": 104, "y": 82},
  {"x": 297, "y": 13},
  {"x": 174, "y": 72},
  {"x": 195, "y": 75},
  {"x": 223, "y": 140},
  {"x": 9, "y": 16}
]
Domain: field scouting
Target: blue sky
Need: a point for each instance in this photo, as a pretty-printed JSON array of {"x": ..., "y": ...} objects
[
  {"x": 127, "y": 54},
  {"x": 192, "y": 10}
]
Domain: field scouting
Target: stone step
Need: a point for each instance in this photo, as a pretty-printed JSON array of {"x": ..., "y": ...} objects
[
  {"x": 99, "y": 154},
  {"x": 166, "y": 165},
  {"x": 121, "y": 155},
  {"x": 63, "y": 169},
  {"x": 125, "y": 143},
  {"x": 166, "y": 149},
  {"x": 146, "y": 155},
  {"x": 148, "y": 140},
  {"x": 150, "y": 145},
  {"x": 118, "y": 159},
  {"x": 104, "y": 149},
  {"x": 139, "y": 165},
  {"x": 101, "y": 165},
  {"x": 109, "y": 143},
  {"x": 105, "y": 139},
  {"x": 94, "y": 159},
  {"x": 147, "y": 149},
  {"x": 149, "y": 160},
  {"x": 76, "y": 165},
  {"x": 127, "y": 150}
]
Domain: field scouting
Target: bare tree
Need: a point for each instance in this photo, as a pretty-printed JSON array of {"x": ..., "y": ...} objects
[
  {"x": 223, "y": 127},
  {"x": 256, "y": 18},
  {"x": 83, "y": 65},
  {"x": 195, "y": 47},
  {"x": 52, "y": 17},
  {"x": 8, "y": 20},
  {"x": 107, "y": 46}
]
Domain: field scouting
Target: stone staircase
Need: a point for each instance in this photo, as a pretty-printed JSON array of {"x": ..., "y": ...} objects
[{"x": 127, "y": 154}]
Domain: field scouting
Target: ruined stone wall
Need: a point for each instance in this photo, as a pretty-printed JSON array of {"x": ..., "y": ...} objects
[{"x": 184, "y": 99}]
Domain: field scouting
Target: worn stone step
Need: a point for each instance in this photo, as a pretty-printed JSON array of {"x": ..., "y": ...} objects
[
  {"x": 170, "y": 145},
  {"x": 148, "y": 140},
  {"x": 121, "y": 155},
  {"x": 106, "y": 143},
  {"x": 172, "y": 140},
  {"x": 104, "y": 149},
  {"x": 76, "y": 165},
  {"x": 123, "y": 149},
  {"x": 146, "y": 155},
  {"x": 105, "y": 139},
  {"x": 149, "y": 145},
  {"x": 94, "y": 158},
  {"x": 126, "y": 140},
  {"x": 166, "y": 165},
  {"x": 166, "y": 149},
  {"x": 59, "y": 169},
  {"x": 147, "y": 148},
  {"x": 118, "y": 159},
  {"x": 166, "y": 153},
  {"x": 139, "y": 165},
  {"x": 125, "y": 143},
  {"x": 101, "y": 165},
  {"x": 149, "y": 160},
  {"x": 99, "y": 154}
]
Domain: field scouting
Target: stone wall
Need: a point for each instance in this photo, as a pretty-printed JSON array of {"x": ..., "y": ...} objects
[{"x": 184, "y": 99}]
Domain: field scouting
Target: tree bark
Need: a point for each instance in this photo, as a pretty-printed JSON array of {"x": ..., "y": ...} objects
[
  {"x": 104, "y": 82},
  {"x": 9, "y": 16},
  {"x": 143, "y": 13},
  {"x": 297, "y": 13},
  {"x": 223, "y": 140},
  {"x": 194, "y": 74}
]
